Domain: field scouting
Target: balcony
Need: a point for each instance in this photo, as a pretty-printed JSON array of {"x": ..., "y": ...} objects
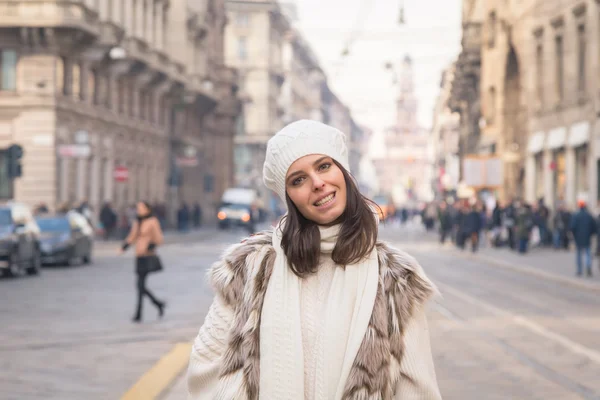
[{"x": 49, "y": 14}]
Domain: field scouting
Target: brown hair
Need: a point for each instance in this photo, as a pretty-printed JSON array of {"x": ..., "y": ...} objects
[{"x": 301, "y": 239}]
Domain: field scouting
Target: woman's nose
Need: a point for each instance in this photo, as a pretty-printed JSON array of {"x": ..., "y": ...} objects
[{"x": 318, "y": 183}]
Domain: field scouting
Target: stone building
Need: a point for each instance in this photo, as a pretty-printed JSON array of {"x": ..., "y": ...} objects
[
  {"x": 444, "y": 139},
  {"x": 280, "y": 81},
  {"x": 562, "y": 57},
  {"x": 505, "y": 52},
  {"x": 465, "y": 93},
  {"x": 254, "y": 42},
  {"x": 90, "y": 86}
]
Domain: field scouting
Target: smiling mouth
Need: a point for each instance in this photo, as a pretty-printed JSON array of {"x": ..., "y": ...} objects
[{"x": 325, "y": 201}]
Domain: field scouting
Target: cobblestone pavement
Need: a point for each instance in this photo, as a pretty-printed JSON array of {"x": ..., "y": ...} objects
[{"x": 496, "y": 333}]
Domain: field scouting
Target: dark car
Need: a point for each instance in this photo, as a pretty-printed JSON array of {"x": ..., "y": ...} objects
[
  {"x": 19, "y": 240},
  {"x": 65, "y": 239}
]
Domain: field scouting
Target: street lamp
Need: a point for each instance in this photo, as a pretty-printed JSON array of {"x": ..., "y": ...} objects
[{"x": 401, "y": 13}]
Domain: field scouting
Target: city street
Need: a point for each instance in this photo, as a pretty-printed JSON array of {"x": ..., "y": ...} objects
[{"x": 496, "y": 332}]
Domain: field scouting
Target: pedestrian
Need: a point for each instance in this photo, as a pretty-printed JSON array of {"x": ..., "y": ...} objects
[
  {"x": 197, "y": 215},
  {"x": 523, "y": 225},
  {"x": 472, "y": 226},
  {"x": 183, "y": 218},
  {"x": 561, "y": 222},
  {"x": 445, "y": 220},
  {"x": 583, "y": 226},
  {"x": 146, "y": 235},
  {"x": 108, "y": 218},
  {"x": 317, "y": 308}
]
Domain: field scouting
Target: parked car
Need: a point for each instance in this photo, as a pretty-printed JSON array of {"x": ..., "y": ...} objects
[
  {"x": 19, "y": 240},
  {"x": 66, "y": 239}
]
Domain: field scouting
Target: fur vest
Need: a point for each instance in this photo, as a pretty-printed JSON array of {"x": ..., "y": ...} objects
[{"x": 241, "y": 280}]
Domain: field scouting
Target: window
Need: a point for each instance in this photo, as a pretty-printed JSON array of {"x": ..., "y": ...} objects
[
  {"x": 492, "y": 30},
  {"x": 491, "y": 104},
  {"x": 92, "y": 89},
  {"x": 539, "y": 60},
  {"x": 134, "y": 16},
  {"x": 560, "y": 85},
  {"x": 60, "y": 75},
  {"x": 8, "y": 61},
  {"x": 76, "y": 92},
  {"x": 581, "y": 58},
  {"x": 131, "y": 98},
  {"x": 242, "y": 48},
  {"x": 143, "y": 104},
  {"x": 242, "y": 19},
  {"x": 121, "y": 95}
]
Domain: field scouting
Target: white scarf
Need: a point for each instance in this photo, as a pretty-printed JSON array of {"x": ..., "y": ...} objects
[{"x": 348, "y": 311}]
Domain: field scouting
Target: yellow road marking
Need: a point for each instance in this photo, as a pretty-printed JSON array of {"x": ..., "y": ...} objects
[{"x": 161, "y": 375}]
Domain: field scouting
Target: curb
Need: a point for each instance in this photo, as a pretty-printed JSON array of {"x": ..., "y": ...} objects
[
  {"x": 529, "y": 270},
  {"x": 162, "y": 375}
]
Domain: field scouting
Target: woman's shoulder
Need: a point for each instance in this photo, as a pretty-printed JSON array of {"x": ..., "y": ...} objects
[
  {"x": 401, "y": 270},
  {"x": 240, "y": 261}
]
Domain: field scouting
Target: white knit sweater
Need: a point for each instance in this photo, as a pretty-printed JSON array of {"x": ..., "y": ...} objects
[
  {"x": 313, "y": 304},
  {"x": 211, "y": 343}
]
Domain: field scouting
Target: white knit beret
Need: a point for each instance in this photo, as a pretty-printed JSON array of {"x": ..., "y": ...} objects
[{"x": 296, "y": 140}]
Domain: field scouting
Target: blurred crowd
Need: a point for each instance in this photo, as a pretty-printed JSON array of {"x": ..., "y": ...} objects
[{"x": 517, "y": 225}]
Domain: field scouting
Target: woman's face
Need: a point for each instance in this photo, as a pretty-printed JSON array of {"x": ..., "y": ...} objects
[
  {"x": 142, "y": 209},
  {"x": 317, "y": 188}
]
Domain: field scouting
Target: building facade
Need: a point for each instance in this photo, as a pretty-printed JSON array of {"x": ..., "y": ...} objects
[
  {"x": 506, "y": 32},
  {"x": 94, "y": 87},
  {"x": 254, "y": 44},
  {"x": 465, "y": 96},
  {"x": 562, "y": 151},
  {"x": 444, "y": 139},
  {"x": 280, "y": 81}
]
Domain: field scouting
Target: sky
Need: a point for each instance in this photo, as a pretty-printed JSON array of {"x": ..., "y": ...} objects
[{"x": 431, "y": 36}]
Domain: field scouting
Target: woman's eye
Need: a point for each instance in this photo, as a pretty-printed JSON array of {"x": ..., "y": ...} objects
[
  {"x": 324, "y": 166},
  {"x": 297, "y": 181}
]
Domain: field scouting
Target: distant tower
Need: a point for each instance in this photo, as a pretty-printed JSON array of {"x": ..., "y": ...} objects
[{"x": 406, "y": 104}]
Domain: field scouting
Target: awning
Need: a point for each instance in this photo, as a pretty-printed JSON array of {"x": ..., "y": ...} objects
[
  {"x": 557, "y": 138},
  {"x": 536, "y": 142},
  {"x": 579, "y": 134}
]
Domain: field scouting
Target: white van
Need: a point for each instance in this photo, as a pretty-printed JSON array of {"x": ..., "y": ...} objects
[{"x": 238, "y": 208}]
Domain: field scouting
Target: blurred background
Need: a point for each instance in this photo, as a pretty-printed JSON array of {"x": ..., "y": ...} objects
[{"x": 472, "y": 123}]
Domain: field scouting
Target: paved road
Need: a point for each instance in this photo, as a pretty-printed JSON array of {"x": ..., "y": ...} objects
[
  {"x": 496, "y": 333},
  {"x": 67, "y": 334}
]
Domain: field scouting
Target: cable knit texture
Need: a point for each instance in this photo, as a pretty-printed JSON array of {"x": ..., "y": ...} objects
[
  {"x": 391, "y": 360},
  {"x": 314, "y": 301},
  {"x": 296, "y": 140}
]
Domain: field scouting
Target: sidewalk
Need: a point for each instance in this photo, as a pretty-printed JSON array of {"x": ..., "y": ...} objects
[
  {"x": 558, "y": 265},
  {"x": 170, "y": 237}
]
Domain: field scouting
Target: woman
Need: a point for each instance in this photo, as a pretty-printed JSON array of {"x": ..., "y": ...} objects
[
  {"x": 316, "y": 309},
  {"x": 146, "y": 234}
]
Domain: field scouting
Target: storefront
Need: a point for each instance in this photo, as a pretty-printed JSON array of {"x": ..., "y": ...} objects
[{"x": 558, "y": 165}]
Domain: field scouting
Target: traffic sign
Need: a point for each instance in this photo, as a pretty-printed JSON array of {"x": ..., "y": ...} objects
[{"x": 121, "y": 173}]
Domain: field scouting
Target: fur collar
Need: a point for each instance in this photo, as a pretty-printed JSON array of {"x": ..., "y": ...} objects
[{"x": 241, "y": 278}]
